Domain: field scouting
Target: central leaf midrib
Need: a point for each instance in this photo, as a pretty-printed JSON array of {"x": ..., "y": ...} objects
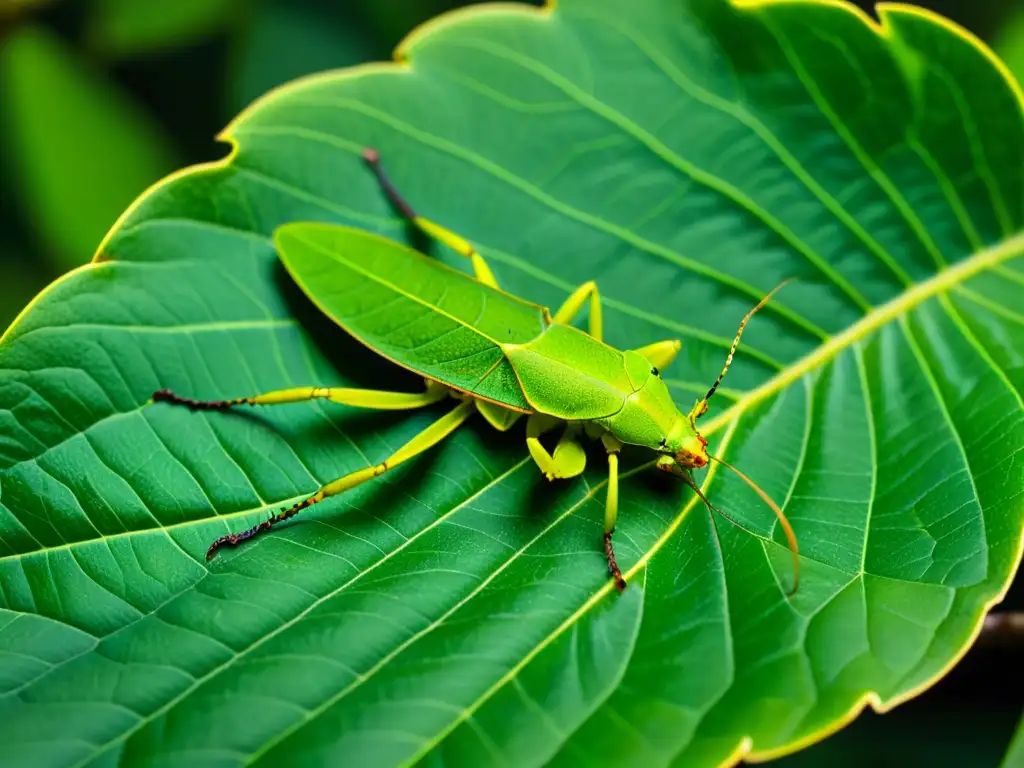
[
  {"x": 878, "y": 317},
  {"x": 941, "y": 282}
]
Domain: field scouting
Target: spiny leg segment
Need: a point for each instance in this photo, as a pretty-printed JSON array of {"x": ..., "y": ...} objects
[
  {"x": 460, "y": 245},
  {"x": 363, "y": 398},
  {"x": 428, "y": 438},
  {"x": 611, "y": 508},
  {"x": 358, "y": 398}
]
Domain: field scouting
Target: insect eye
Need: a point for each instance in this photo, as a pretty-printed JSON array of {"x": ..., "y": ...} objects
[{"x": 654, "y": 371}]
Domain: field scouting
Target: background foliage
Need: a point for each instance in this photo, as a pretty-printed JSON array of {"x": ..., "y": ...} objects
[{"x": 142, "y": 91}]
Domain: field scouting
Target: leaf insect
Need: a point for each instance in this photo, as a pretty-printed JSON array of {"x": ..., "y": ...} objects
[{"x": 494, "y": 353}]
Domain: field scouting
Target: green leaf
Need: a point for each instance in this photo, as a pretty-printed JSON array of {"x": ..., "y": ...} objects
[
  {"x": 81, "y": 147},
  {"x": 686, "y": 155},
  {"x": 128, "y": 27}
]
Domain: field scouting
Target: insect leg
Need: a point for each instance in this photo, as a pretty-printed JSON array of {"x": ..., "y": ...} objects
[
  {"x": 569, "y": 458},
  {"x": 661, "y": 353},
  {"x": 428, "y": 438},
  {"x": 358, "y": 398},
  {"x": 611, "y": 507},
  {"x": 575, "y": 303},
  {"x": 500, "y": 418},
  {"x": 458, "y": 244}
]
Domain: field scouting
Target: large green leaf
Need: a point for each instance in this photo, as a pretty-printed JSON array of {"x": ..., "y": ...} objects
[{"x": 687, "y": 154}]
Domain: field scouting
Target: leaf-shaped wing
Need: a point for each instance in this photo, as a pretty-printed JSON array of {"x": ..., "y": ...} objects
[{"x": 416, "y": 312}]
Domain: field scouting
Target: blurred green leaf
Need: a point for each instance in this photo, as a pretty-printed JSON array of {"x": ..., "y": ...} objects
[
  {"x": 392, "y": 19},
  {"x": 129, "y": 27},
  {"x": 1015, "y": 754},
  {"x": 283, "y": 42},
  {"x": 1008, "y": 43},
  {"x": 81, "y": 148},
  {"x": 20, "y": 280},
  {"x": 931, "y": 738},
  {"x": 687, "y": 156}
]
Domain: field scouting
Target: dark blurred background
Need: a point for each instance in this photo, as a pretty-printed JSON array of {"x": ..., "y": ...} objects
[{"x": 101, "y": 98}]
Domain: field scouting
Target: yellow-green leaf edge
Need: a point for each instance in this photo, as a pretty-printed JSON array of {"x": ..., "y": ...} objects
[{"x": 877, "y": 317}]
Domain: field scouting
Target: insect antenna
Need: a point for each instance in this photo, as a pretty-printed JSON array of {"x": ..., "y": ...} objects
[
  {"x": 790, "y": 535},
  {"x": 702, "y": 405},
  {"x": 700, "y": 494}
]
